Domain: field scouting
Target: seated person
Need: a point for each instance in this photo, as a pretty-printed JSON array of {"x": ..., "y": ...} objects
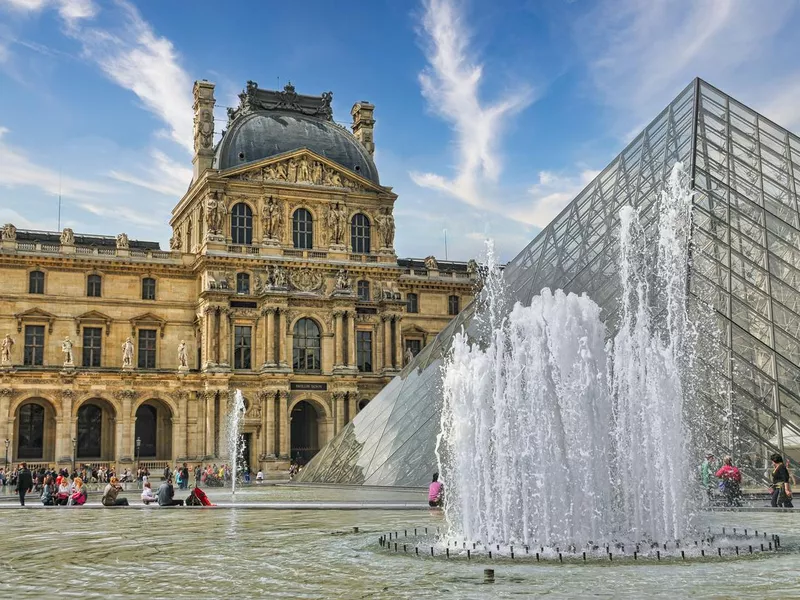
[
  {"x": 64, "y": 490},
  {"x": 147, "y": 494},
  {"x": 166, "y": 494},
  {"x": 110, "y": 494},
  {"x": 78, "y": 496},
  {"x": 435, "y": 491},
  {"x": 260, "y": 477}
]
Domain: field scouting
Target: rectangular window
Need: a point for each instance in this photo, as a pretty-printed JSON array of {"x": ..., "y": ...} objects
[
  {"x": 147, "y": 348},
  {"x": 148, "y": 288},
  {"x": 364, "y": 351},
  {"x": 34, "y": 345},
  {"x": 413, "y": 346},
  {"x": 241, "y": 347},
  {"x": 36, "y": 282},
  {"x": 412, "y": 303},
  {"x": 93, "y": 286},
  {"x": 453, "y": 305},
  {"x": 92, "y": 346}
]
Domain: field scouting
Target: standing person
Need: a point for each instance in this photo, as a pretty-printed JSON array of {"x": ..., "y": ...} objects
[
  {"x": 24, "y": 483},
  {"x": 110, "y": 494},
  {"x": 198, "y": 474},
  {"x": 185, "y": 476},
  {"x": 166, "y": 494},
  {"x": 781, "y": 489},
  {"x": 706, "y": 471},
  {"x": 435, "y": 491},
  {"x": 166, "y": 473},
  {"x": 731, "y": 479}
]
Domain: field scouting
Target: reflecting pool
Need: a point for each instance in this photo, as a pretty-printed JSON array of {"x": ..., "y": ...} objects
[{"x": 179, "y": 553}]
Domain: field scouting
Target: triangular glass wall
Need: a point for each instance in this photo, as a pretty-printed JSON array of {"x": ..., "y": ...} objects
[{"x": 745, "y": 264}]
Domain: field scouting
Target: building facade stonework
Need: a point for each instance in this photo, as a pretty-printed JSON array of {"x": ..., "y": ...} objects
[{"x": 281, "y": 280}]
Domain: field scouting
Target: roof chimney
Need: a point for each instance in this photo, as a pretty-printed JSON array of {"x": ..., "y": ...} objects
[
  {"x": 203, "y": 127},
  {"x": 363, "y": 124}
]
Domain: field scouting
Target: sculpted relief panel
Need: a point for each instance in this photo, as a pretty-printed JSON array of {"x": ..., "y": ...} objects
[{"x": 302, "y": 170}]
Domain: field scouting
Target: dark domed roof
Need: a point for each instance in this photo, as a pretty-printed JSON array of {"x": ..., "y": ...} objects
[{"x": 262, "y": 134}]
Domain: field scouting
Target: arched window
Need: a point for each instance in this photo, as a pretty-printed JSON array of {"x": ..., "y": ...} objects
[
  {"x": 363, "y": 291},
  {"x": 31, "y": 431},
  {"x": 90, "y": 430},
  {"x": 242, "y": 283},
  {"x": 412, "y": 303},
  {"x": 36, "y": 282},
  {"x": 360, "y": 234},
  {"x": 302, "y": 229},
  {"x": 306, "y": 346},
  {"x": 242, "y": 224}
]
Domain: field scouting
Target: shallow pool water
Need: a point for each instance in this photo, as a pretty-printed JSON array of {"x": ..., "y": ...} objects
[{"x": 314, "y": 554}]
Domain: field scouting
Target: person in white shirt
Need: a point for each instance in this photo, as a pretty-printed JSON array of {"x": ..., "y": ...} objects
[
  {"x": 147, "y": 494},
  {"x": 260, "y": 477}
]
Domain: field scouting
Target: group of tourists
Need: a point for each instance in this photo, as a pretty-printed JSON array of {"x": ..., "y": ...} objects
[{"x": 727, "y": 479}]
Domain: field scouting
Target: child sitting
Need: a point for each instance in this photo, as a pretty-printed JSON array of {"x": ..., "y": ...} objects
[{"x": 147, "y": 494}]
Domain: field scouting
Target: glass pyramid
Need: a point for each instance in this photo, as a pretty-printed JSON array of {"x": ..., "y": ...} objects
[{"x": 745, "y": 171}]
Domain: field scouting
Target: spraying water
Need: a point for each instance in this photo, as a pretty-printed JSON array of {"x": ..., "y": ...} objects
[
  {"x": 235, "y": 445},
  {"x": 552, "y": 435}
]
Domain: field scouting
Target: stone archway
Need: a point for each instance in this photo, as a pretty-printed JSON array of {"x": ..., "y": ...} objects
[
  {"x": 35, "y": 431},
  {"x": 154, "y": 429},
  {"x": 305, "y": 431},
  {"x": 95, "y": 430}
]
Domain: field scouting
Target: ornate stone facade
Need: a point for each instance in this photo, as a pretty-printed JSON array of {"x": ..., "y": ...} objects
[{"x": 281, "y": 280}]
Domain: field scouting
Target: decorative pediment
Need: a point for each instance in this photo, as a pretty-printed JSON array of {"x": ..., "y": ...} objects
[
  {"x": 148, "y": 320},
  {"x": 35, "y": 315},
  {"x": 93, "y": 317},
  {"x": 304, "y": 167}
]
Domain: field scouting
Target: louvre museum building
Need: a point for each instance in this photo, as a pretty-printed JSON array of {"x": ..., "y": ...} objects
[
  {"x": 743, "y": 272},
  {"x": 281, "y": 280}
]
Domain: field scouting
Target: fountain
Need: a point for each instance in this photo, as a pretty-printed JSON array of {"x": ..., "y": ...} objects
[
  {"x": 234, "y": 434},
  {"x": 553, "y": 436}
]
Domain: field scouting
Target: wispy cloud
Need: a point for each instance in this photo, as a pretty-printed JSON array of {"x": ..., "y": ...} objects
[
  {"x": 70, "y": 10},
  {"x": 162, "y": 175},
  {"x": 551, "y": 194},
  {"x": 452, "y": 84},
  {"x": 18, "y": 170}
]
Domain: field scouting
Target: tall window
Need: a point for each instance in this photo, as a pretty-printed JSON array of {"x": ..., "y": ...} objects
[
  {"x": 147, "y": 348},
  {"x": 412, "y": 303},
  {"x": 306, "y": 347},
  {"x": 34, "y": 345},
  {"x": 148, "y": 288},
  {"x": 242, "y": 283},
  {"x": 36, "y": 282},
  {"x": 360, "y": 234},
  {"x": 242, "y": 345},
  {"x": 242, "y": 224},
  {"x": 302, "y": 229},
  {"x": 92, "y": 346},
  {"x": 94, "y": 285},
  {"x": 414, "y": 346},
  {"x": 363, "y": 291},
  {"x": 90, "y": 431},
  {"x": 31, "y": 431},
  {"x": 452, "y": 305},
  {"x": 364, "y": 351}
]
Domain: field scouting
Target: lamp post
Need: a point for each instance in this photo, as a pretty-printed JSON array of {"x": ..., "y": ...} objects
[
  {"x": 74, "y": 442},
  {"x": 138, "y": 451},
  {"x": 5, "y": 460}
]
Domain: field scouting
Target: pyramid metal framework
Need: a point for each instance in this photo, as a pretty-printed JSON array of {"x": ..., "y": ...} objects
[{"x": 745, "y": 171}]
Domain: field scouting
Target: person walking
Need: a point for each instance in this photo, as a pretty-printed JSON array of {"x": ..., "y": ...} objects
[
  {"x": 781, "y": 489},
  {"x": 166, "y": 494},
  {"x": 110, "y": 494},
  {"x": 24, "y": 483},
  {"x": 435, "y": 491},
  {"x": 731, "y": 479}
]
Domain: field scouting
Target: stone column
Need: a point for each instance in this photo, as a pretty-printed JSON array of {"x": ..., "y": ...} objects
[
  {"x": 225, "y": 337},
  {"x": 352, "y": 398},
  {"x": 338, "y": 410},
  {"x": 269, "y": 424},
  {"x": 387, "y": 341},
  {"x": 285, "y": 424},
  {"x": 126, "y": 452},
  {"x": 215, "y": 326},
  {"x": 398, "y": 342},
  {"x": 63, "y": 428},
  {"x": 210, "y": 422},
  {"x": 180, "y": 445},
  {"x": 269, "y": 341},
  {"x": 351, "y": 339},
  {"x": 338, "y": 332},
  {"x": 284, "y": 361}
]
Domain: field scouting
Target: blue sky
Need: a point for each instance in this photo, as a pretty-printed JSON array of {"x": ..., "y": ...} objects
[{"x": 491, "y": 115}]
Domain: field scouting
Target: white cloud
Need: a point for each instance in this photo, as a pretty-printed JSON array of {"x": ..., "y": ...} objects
[
  {"x": 120, "y": 213},
  {"x": 451, "y": 84},
  {"x": 17, "y": 170},
  {"x": 70, "y": 10},
  {"x": 551, "y": 194},
  {"x": 163, "y": 175}
]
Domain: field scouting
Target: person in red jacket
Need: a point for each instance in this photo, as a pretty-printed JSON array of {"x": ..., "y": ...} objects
[{"x": 730, "y": 480}]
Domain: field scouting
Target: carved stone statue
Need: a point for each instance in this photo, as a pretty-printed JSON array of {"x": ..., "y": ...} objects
[
  {"x": 409, "y": 355},
  {"x": 431, "y": 264},
  {"x": 343, "y": 281},
  {"x": 337, "y": 223},
  {"x": 279, "y": 278},
  {"x": 385, "y": 223},
  {"x": 183, "y": 359},
  {"x": 5, "y": 349},
  {"x": 175, "y": 242},
  {"x": 292, "y": 170},
  {"x": 303, "y": 172},
  {"x": 472, "y": 267},
  {"x": 122, "y": 241},
  {"x": 273, "y": 218},
  {"x": 8, "y": 232},
  {"x": 203, "y": 129},
  {"x": 127, "y": 354},
  {"x": 67, "y": 237},
  {"x": 215, "y": 213},
  {"x": 66, "y": 348},
  {"x": 316, "y": 172}
]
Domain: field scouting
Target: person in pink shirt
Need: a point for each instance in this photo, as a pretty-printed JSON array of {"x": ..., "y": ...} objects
[
  {"x": 435, "y": 491},
  {"x": 730, "y": 479}
]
